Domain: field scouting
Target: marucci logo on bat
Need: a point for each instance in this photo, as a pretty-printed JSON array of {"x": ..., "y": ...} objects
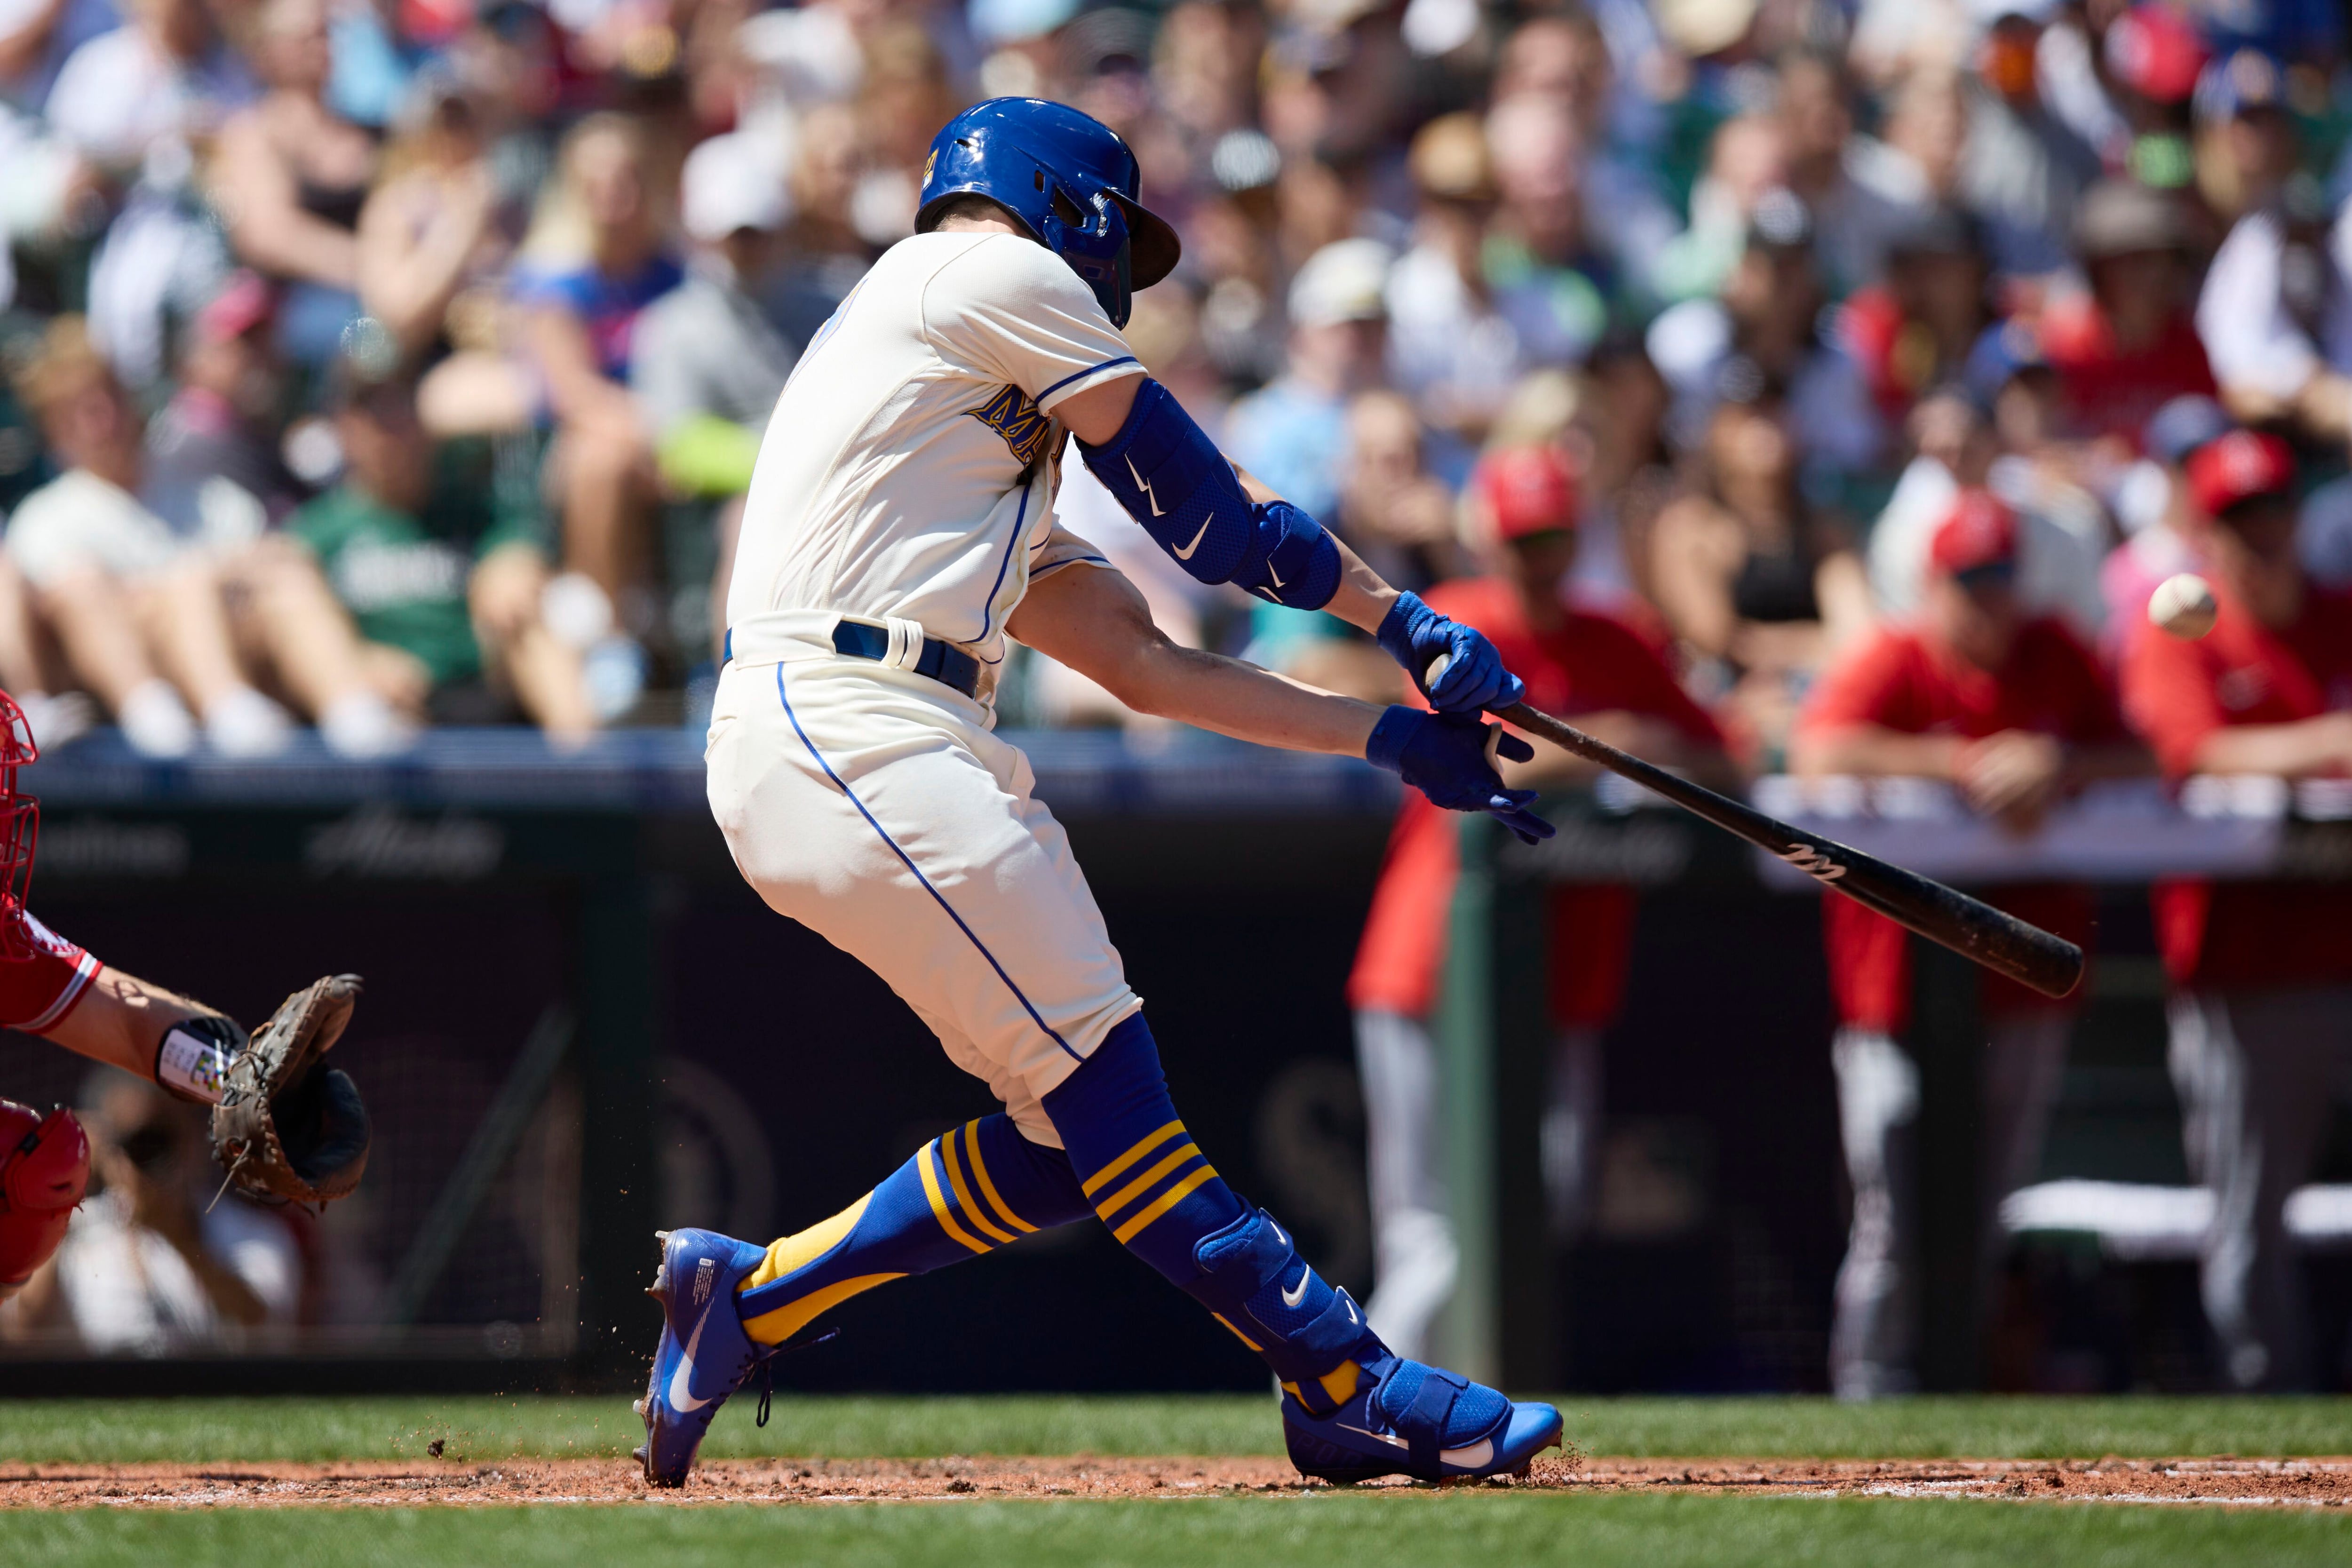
[{"x": 1812, "y": 862}]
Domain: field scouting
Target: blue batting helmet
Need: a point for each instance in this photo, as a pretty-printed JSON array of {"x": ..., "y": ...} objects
[{"x": 1068, "y": 177}]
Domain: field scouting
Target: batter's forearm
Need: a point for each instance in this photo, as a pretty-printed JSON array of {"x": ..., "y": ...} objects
[
  {"x": 1363, "y": 599},
  {"x": 1093, "y": 620},
  {"x": 1211, "y": 691}
]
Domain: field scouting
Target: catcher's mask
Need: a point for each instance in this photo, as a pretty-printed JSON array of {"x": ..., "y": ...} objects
[{"x": 20, "y": 828}]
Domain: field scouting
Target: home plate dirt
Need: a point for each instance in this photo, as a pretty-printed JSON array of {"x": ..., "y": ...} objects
[{"x": 2324, "y": 1483}]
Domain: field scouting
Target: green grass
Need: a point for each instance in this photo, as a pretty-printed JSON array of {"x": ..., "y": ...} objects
[
  {"x": 1349, "y": 1532},
  {"x": 124, "y": 1431}
]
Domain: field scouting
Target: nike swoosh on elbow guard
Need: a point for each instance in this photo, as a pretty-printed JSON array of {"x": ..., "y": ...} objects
[{"x": 1192, "y": 549}]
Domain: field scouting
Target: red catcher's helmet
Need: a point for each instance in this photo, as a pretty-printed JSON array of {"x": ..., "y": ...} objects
[
  {"x": 20, "y": 828},
  {"x": 44, "y": 1170}
]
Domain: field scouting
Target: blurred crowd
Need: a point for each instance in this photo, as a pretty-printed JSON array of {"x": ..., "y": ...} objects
[{"x": 378, "y": 363}]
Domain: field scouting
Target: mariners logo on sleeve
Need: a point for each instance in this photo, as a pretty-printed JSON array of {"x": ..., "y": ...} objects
[{"x": 1011, "y": 415}]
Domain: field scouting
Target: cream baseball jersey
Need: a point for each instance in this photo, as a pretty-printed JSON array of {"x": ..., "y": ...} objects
[{"x": 909, "y": 468}]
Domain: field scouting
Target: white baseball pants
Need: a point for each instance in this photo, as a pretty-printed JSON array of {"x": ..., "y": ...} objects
[{"x": 875, "y": 807}]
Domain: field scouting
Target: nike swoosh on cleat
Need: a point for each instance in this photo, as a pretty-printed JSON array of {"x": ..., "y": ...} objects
[
  {"x": 681, "y": 1391},
  {"x": 1187, "y": 552},
  {"x": 1145, "y": 486},
  {"x": 1292, "y": 1298},
  {"x": 1481, "y": 1452},
  {"x": 1375, "y": 1437}
]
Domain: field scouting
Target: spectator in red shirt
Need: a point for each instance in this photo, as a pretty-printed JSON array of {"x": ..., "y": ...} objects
[
  {"x": 2013, "y": 711},
  {"x": 2261, "y": 972},
  {"x": 2130, "y": 345},
  {"x": 1616, "y": 685}
]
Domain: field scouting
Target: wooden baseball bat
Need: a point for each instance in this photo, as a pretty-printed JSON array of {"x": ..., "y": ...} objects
[{"x": 1970, "y": 927}]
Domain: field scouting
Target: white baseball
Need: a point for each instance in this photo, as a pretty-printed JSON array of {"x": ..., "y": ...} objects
[{"x": 2183, "y": 606}]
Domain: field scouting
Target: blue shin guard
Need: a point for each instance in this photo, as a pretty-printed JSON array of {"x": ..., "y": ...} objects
[{"x": 1351, "y": 1408}]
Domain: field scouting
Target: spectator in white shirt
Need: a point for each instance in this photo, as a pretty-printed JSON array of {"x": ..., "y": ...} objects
[
  {"x": 136, "y": 588},
  {"x": 147, "y": 1267},
  {"x": 1449, "y": 347},
  {"x": 163, "y": 73},
  {"x": 2276, "y": 314}
]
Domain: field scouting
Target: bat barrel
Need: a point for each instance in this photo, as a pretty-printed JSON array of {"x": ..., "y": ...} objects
[
  {"x": 1970, "y": 927},
  {"x": 1994, "y": 938}
]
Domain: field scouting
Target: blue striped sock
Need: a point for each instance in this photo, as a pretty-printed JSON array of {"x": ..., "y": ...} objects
[
  {"x": 1134, "y": 1161},
  {"x": 966, "y": 1191}
]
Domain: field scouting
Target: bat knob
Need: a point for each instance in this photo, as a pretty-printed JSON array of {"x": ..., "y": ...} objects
[{"x": 1435, "y": 672}]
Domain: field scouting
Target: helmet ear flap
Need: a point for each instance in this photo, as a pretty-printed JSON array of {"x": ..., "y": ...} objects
[{"x": 1104, "y": 261}]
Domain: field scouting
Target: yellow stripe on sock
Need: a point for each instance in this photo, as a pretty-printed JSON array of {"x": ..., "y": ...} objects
[
  {"x": 1163, "y": 1203},
  {"x": 987, "y": 1188},
  {"x": 802, "y": 1247},
  {"x": 963, "y": 1193},
  {"x": 774, "y": 1328},
  {"x": 1143, "y": 1184},
  {"x": 1143, "y": 1146},
  {"x": 940, "y": 1205},
  {"x": 1239, "y": 1335}
]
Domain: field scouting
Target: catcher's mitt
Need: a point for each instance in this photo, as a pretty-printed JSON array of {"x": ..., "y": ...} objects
[{"x": 289, "y": 1126}]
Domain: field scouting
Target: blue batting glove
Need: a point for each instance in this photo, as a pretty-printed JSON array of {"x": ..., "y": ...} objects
[
  {"x": 1474, "y": 678},
  {"x": 1450, "y": 758}
]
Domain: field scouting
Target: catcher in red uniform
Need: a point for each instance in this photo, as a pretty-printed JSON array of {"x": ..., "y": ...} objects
[{"x": 284, "y": 1123}]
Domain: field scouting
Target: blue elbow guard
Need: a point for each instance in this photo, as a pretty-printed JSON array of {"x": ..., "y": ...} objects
[
  {"x": 1172, "y": 479},
  {"x": 1299, "y": 565}
]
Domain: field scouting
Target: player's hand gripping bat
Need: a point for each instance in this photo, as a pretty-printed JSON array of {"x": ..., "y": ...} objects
[{"x": 1970, "y": 927}]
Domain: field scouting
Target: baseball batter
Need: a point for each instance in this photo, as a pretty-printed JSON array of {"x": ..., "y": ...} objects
[
  {"x": 900, "y": 525},
  {"x": 55, "y": 989}
]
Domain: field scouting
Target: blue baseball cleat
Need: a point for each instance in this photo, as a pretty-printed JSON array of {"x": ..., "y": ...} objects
[
  {"x": 1407, "y": 1419},
  {"x": 703, "y": 1354}
]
